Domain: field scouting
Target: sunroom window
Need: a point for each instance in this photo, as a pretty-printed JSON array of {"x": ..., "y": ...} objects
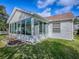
[{"x": 28, "y": 26}]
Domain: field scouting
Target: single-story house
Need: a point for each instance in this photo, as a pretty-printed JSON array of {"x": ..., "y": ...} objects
[
  {"x": 76, "y": 24},
  {"x": 3, "y": 32},
  {"x": 28, "y": 26}
]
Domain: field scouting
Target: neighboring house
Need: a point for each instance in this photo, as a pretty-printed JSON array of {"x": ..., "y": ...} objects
[
  {"x": 3, "y": 32},
  {"x": 76, "y": 25},
  {"x": 27, "y": 26}
]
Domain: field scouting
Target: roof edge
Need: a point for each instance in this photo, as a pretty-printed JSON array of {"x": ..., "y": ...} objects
[{"x": 24, "y": 11}]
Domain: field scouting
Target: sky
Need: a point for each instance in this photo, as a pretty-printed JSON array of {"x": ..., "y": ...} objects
[{"x": 44, "y": 8}]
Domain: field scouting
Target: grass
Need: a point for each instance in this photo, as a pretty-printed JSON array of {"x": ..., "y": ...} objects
[
  {"x": 2, "y": 42},
  {"x": 2, "y": 37},
  {"x": 48, "y": 49}
]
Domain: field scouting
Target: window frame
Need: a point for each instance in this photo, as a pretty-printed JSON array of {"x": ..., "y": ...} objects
[{"x": 56, "y": 27}]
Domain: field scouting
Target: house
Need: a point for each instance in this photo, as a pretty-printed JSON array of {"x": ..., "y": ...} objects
[
  {"x": 3, "y": 32},
  {"x": 28, "y": 26},
  {"x": 76, "y": 25}
]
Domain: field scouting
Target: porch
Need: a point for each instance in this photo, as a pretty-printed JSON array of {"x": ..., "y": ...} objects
[{"x": 28, "y": 29}]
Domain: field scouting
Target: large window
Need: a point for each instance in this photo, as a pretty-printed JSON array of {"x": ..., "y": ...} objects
[
  {"x": 44, "y": 28},
  {"x": 18, "y": 27},
  {"x": 23, "y": 27},
  {"x": 56, "y": 27},
  {"x": 36, "y": 27},
  {"x": 40, "y": 28},
  {"x": 12, "y": 28},
  {"x": 28, "y": 26},
  {"x": 15, "y": 26}
]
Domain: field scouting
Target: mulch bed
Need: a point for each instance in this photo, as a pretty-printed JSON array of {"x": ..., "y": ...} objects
[{"x": 15, "y": 42}]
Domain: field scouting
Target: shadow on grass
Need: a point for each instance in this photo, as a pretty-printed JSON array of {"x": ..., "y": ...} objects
[{"x": 44, "y": 50}]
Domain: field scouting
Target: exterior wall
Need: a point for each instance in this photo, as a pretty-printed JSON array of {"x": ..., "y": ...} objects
[
  {"x": 22, "y": 37},
  {"x": 66, "y": 31},
  {"x": 18, "y": 16},
  {"x": 29, "y": 38},
  {"x": 15, "y": 17}
]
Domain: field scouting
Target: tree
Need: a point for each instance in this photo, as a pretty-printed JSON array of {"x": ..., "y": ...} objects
[
  {"x": 3, "y": 18},
  {"x": 76, "y": 21}
]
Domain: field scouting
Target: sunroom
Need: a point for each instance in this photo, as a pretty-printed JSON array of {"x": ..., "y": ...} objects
[{"x": 28, "y": 27}]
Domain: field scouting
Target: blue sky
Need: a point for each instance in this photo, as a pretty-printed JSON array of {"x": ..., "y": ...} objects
[{"x": 43, "y": 7}]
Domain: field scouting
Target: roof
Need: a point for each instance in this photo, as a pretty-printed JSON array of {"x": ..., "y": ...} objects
[
  {"x": 61, "y": 17},
  {"x": 34, "y": 15}
]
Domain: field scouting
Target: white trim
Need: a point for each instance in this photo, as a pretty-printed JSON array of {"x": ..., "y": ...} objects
[
  {"x": 9, "y": 30},
  {"x": 29, "y": 13},
  {"x": 32, "y": 26},
  {"x": 25, "y": 27},
  {"x": 61, "y": 19},
  {"x": 73, "y": 29},
  {"x": 38, "y": 28},
  {"x": 42, "y": 28},
  {"x": 13, "y": 12}
]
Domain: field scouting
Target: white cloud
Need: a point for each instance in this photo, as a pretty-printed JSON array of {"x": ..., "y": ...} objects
[
  {"x": 68, "y": 5},
  {"x": 64, "y": 10},
  {"x": 46, "y": 12},
  {"x": 42, "y": 4},
  {"x": 68, "y": 2}
]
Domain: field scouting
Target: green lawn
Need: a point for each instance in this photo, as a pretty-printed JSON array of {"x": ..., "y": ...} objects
[
  {"x": 48, "y": 49},
  {"x": 2, "y": 37}
]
